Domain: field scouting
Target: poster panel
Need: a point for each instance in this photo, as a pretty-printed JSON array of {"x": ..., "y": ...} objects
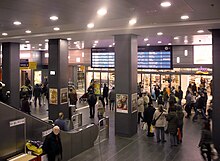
[
  {"x": 53, "y": 96},
  {"x": 134, "y": 102},
  {"x": 122, "y": 103},
  {"x": 63, "y": 95}
]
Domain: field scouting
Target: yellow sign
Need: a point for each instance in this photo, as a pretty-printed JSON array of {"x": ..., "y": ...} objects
[{"x": 32, "y": 65}]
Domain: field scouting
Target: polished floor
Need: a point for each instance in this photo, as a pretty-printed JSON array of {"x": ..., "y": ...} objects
[{"x": 139, "y": 147}]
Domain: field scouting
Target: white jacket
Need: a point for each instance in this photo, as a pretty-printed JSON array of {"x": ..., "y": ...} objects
[
  {"x": 140, "y": 104},
  {"x": 161, "y": 122}
]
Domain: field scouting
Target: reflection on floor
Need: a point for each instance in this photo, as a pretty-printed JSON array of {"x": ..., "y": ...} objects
[{"x": 138, "y": 147}]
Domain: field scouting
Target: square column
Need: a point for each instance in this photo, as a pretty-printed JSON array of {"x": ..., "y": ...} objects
[
  {"x": 10, "y": 72},
  {"x": 58, "y": 78},
  {"x": 126, "y": 85},
  {"x": 215, "y": 86}
]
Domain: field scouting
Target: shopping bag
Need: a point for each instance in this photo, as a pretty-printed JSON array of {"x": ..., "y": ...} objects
[
  {"x": 145, "y": 126},
  {"x": 151, "y": 129}
]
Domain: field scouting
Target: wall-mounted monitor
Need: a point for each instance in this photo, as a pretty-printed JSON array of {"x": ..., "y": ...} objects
[
  {"x": 102, "y": 58},
  {"x": 149, "y": 57},
  {"x": 155, "y": 57},
  {"x": 202, "y": 54}
]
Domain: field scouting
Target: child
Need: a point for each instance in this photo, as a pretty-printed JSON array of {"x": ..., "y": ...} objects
[{"x": 100, "y": 110}]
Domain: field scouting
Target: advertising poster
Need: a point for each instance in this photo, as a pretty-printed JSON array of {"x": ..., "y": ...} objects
[
  {"x": 122, "y": 103},
  {"x": 53, "y": 96},
  {"x": 134, "y": 102},
  {"x": 97, "y": 88},
  {"x": 63, "y": 95}
]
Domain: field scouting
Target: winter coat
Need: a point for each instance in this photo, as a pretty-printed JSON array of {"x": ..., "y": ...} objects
[
  {"x": 148, "y": 114},
  {"x": 61, "y": 123},
  {"x": 180, "y": 116},
  {"x": 161, "y": 121},
  {"x": 112, "y": 95},
  {"x": 206, "y": 137},
  {"x": 52, "y": 146},
  {"x": 73, "y": 98},
  {"x": 140, "y": 104},
  {"x": 105, "y": 91},
  {"x": 92, "y": 99},
  {"x": 172, "y": 122}
]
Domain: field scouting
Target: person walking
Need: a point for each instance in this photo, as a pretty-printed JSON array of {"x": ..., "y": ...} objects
[
  {"x": 180, "y": 116},
  {"x": 188, "y": 107},
  {"x": 140, "y": 108},
  {"x": 52, "y": 145},
  {"x": 148, "y": 117},
  {"x": 160, "y": 117},
  {"x": 37, "y": 94},
  {"x": 105, "y": 93},
  {"x": 112, "y": 96},
  {"x": 172, "y": 126},
  {"x": 72, "y": 96},
  {"x": 92, "y": 101}
]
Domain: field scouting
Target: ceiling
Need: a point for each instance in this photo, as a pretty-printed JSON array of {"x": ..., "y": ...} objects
[{"x": 74, "y": 15}]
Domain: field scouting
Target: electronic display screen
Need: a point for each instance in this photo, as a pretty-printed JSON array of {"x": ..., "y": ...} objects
[
  {"x": 155, "y": 57},
  {"x": 149, "y": 57},
  {"x": 103, "y": 58}
]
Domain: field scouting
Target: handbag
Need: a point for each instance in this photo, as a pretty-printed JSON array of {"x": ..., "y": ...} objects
[{"x": 155, "y": 120}]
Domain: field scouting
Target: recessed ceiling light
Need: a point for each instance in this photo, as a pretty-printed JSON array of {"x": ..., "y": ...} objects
[
  {"x": 17, "y": 23},
  {"x": 113, "y": 43},
  {"x": 148, "y": 44},
  {"x": 28, "y": 31},
  {"x": 90, "y": 25},
  {"x": 46, "y": 40},
  {"x": 185, "y": 41},
  {"x": 184, "y": 17},
  {"x": 40, "y": 44},
  {"x": 56, "y": 28},
  {"x": 159, "y": 42},
  {"x": 200, "y": 31},
  {"x": 132, "y": 21},
  {"x": 176, "y": 38},
  {"x": 33, "y": 47},
  {"x": 169, "y": 44},
  {"x": 27, "y": 41},
  {"x": 96, "y": 41},
  {"x": 75, "y": 42},
  {"x": 54, "y": 18},
  {"x": 93, "y": 46},
  {"x": 110, "y": 46},
  {"x": 165, "y": 4},
  {"x": 4, "y": 34},
  {"x": 145, "y": 39},
  {"x": 159, "y": 33},
  {"x": 102, "y": 11},
  {"x": 69, "y": 38}
]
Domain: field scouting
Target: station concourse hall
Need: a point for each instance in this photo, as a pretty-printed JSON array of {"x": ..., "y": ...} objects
[{"x": 111, "y": 80}]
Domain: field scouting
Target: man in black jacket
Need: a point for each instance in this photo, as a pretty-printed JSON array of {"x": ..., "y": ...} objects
[
  {"x": 105, "y": 93},
  {"x": 52, "y": 145}
]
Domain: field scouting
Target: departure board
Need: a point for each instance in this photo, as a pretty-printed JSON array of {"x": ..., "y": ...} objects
[
  {"x": 103, "y": 57},
  {"x": 155, "y": 57}
]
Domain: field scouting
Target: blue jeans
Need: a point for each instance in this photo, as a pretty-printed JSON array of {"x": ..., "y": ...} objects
[{"x": 173, "y": 139}]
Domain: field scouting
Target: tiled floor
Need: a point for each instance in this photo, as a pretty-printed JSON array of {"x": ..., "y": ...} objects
[{"x": 139, "y": 147}]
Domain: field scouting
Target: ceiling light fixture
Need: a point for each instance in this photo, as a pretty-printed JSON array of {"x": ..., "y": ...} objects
[
  {"x": 40, "y": 44},
  {"x": 96, "y": 41},
  {"x": 27, "y": 42},
  {"x": 185, "y": 41},
  {"x": 176, "y": 38},
  {"x": 28, "y": 31},
  {"x": 17, "y": 23},
  {"x": 54, "y": 18},
  {"x": 145, "y": 39},
  {"x": 4, "y": 34},
  {"x": 113, "y": 43},
  {"x": 75, "y": 42},
  {"x": 56, "y": 28},
  {"x": 90, "y": 25},
  {"x": 102, "y": 11},
  {"x": 200, "y": 31},
  {"x": 69, "y": 39},
  {"x": 169, "y": 44},
  {"x": 159, "y": 33},
  {"x": 110, "y": 46},
  {"x": 132, "y": 21},
  {"x": 184, "y": 17},
  {"x": 165, "y": 4},
  {"x": 148, "y": 44},
  {"x": 159, "y": 42},
  {"x": 46, "y": 40}
]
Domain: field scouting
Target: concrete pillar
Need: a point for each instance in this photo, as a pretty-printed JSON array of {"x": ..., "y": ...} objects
[
  {"x": 10, "y": 71},
  {"x": 125, "y": 84},
  {"x": 58, "y": 78}
]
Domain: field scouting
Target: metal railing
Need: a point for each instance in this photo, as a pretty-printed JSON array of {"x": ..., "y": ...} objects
[
  {"x": 104, "y": 126},
  {"x": 76, "y": 120}
]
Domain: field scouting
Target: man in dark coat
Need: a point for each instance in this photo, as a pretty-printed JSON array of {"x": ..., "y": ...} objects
[
  {"x": 37, "y": 94},
  {"x": 148, "y": 117},
  {"x": 105, "y": 93},
  {"x": 92, "y": 101},
  {"x": 52, "y": 145}
]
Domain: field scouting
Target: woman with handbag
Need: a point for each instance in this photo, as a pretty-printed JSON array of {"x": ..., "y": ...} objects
[{"x": 160, "y": 122}]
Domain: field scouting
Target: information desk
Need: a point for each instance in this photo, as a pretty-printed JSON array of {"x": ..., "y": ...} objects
[{"x": 23, "y": 157}]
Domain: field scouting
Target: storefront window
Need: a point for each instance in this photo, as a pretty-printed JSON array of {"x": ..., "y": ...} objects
[
  {"x": 139, "y": 78},
  {"x": 155, "y": 80},
  {"x": 37, "y": 77},
  {"x": 104, "y": 79},
  {"x": 165, "y": 81},
  {"x": 111, "y": 80},
  {"x": 97, "y": 83},
  {"x": 89, "y": 77},
  {"x": 175, "y": 81},
  {"x": 146, "y": 82}
]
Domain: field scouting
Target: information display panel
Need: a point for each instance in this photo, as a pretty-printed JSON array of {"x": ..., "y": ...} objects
[
  {"x": 103, "y": 57},
  {"x": 155, "y": 57}
]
